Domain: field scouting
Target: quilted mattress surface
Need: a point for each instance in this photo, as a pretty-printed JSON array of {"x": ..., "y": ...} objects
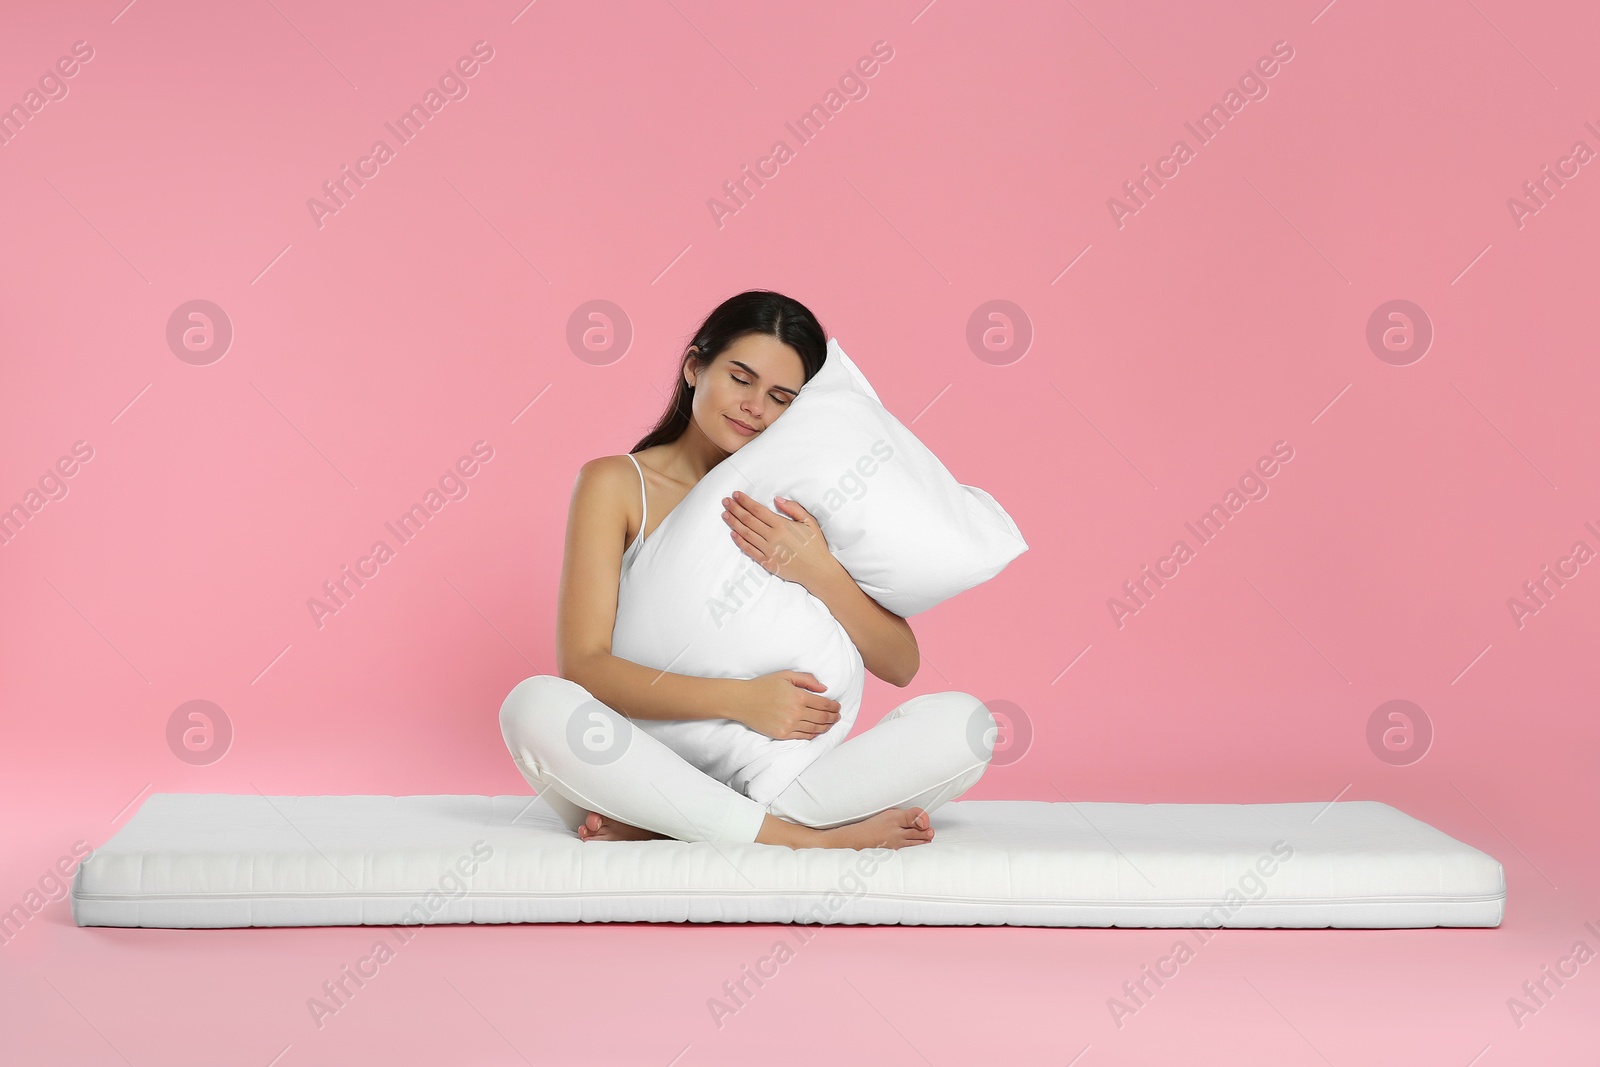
[{"x": 220, "y": 860}]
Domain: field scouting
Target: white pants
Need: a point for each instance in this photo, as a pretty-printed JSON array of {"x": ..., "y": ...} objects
[{"x": 928, "y": 750}]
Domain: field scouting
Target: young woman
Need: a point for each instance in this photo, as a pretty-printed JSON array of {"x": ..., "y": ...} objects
[{"x": 746, "y": 365}]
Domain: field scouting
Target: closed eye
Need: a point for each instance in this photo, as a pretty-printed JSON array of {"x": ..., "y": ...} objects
[{"x": 779, "y": 397}]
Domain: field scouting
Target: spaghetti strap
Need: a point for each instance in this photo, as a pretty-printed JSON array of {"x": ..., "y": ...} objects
[{"x": 644, "y": 502}]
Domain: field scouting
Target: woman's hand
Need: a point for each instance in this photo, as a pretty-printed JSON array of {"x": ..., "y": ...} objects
[
  {"x": 786, "y": 705},
  {"x": 790, "y": 545}
]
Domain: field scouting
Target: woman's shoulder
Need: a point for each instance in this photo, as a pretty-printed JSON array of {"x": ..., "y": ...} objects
[
  {"x": 608, "y": 482},
  {"x": 607, "y": 470}
]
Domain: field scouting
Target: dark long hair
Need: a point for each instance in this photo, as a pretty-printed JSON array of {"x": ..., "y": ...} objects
[{"x": 753, "y": 311}]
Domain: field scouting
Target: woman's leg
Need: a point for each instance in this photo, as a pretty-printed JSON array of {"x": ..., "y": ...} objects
[
  {"x": 583, "y": 756},
  {"x": 928, "y": 750}
]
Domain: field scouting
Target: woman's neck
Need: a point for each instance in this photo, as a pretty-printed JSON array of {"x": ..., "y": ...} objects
[{"x": 689, "y": 457}]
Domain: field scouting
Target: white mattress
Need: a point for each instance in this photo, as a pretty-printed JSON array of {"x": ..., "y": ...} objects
[{"x": 215, "y": 860}]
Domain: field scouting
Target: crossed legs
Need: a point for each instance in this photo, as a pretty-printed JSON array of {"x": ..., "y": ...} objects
[{"x": 583, "y": 757}]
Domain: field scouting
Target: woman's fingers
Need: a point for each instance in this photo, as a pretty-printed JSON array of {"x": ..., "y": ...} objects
[
  {"x": 743, "y": 511},
  {"x": 807, "y": 681},
  {"x": 827, "y": 707}
]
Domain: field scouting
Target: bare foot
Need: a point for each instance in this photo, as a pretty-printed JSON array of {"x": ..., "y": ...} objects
[
  {"x": 895, "y": 828},
  {"x": 597, "y": 827}
]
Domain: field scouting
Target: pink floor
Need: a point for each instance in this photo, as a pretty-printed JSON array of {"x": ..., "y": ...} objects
[{"x": 649, "y": 993}]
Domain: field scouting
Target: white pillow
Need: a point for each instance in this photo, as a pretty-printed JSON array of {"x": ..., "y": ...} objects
[{"x": 693, "y": 603}]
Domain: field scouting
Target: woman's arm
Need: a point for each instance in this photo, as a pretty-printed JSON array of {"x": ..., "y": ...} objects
[
  {"x": 586, "y": 611},
  {"x": 888, "y": 647},
  {"x": 791, "y": 545}
]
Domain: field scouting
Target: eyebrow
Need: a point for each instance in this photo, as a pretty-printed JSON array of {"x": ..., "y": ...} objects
[{"x": 752, "y": 372}]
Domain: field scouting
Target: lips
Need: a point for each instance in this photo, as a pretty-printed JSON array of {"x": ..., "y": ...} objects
[{"x": 748, "y": 431}]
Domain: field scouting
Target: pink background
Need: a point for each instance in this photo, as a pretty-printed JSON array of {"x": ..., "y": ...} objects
[{"x": 1166, "y": 355}]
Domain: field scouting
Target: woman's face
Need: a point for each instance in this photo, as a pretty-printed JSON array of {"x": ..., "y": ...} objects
[{"x": 745, "y": 389}]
